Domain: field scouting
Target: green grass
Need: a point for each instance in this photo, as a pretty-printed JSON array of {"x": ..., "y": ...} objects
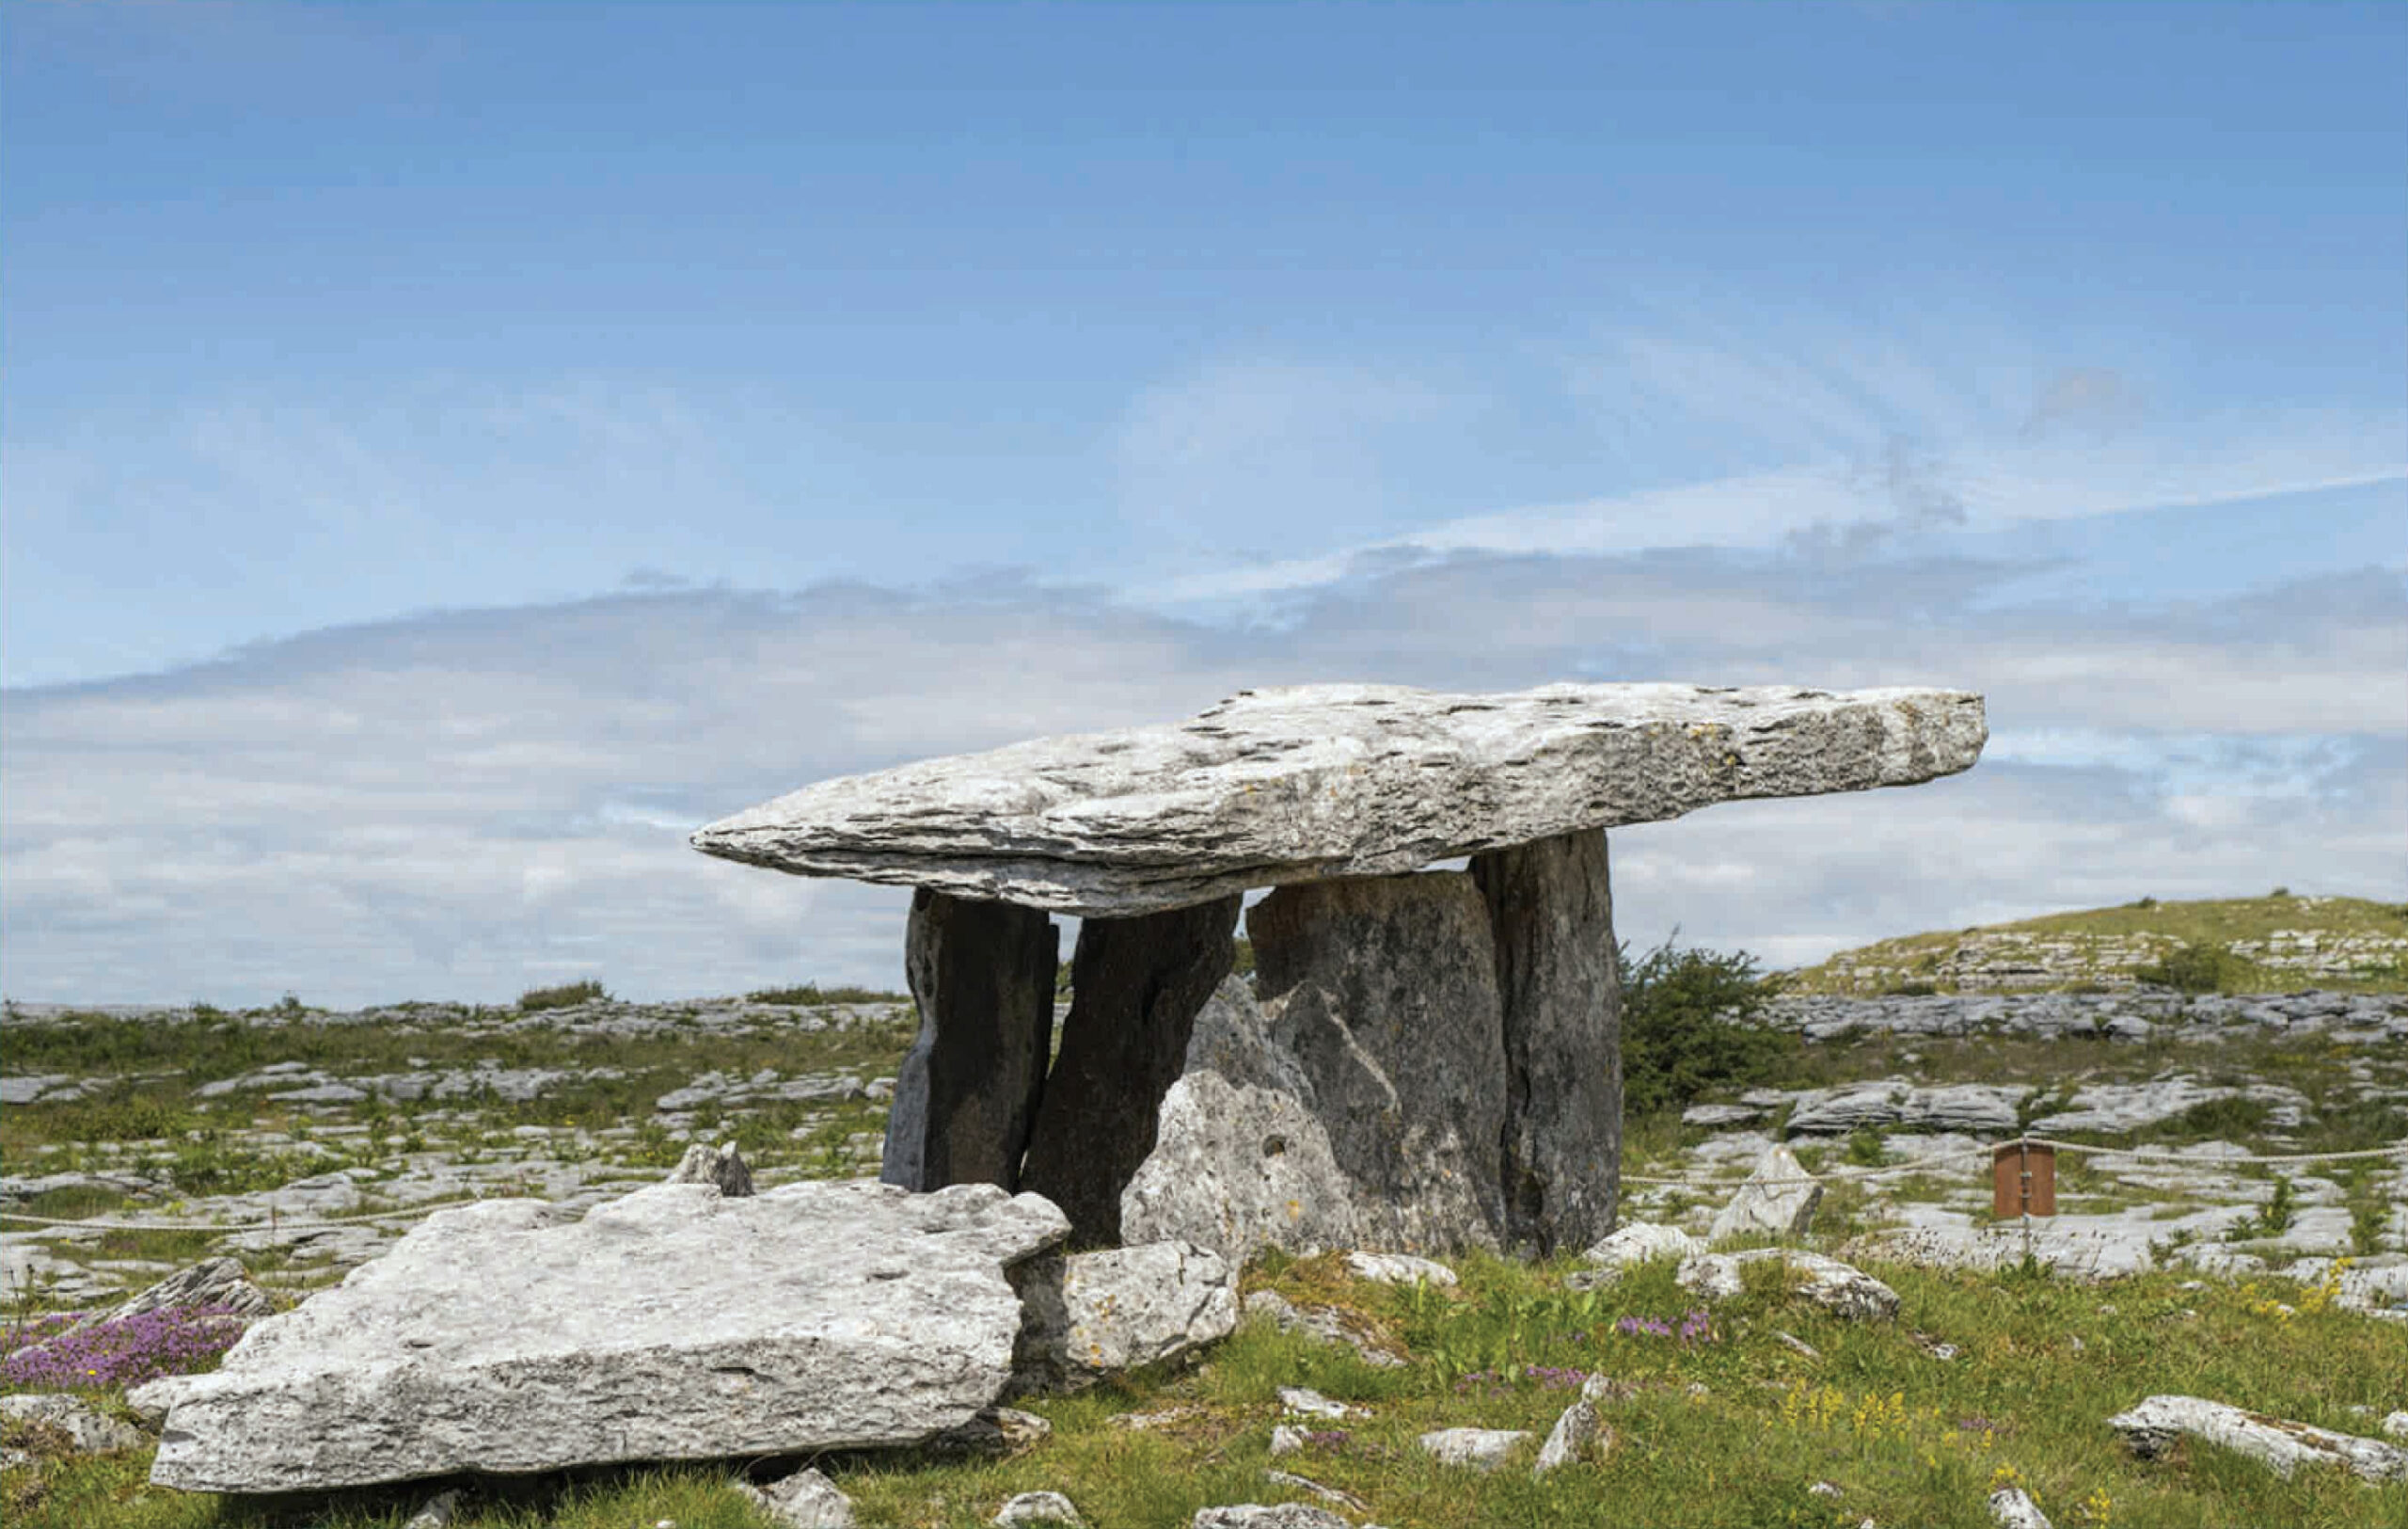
[
  {"x": 1731, "y": 1431},
  {"x": 563, "y": 996},
  {"x": 2208, "y": 928}
]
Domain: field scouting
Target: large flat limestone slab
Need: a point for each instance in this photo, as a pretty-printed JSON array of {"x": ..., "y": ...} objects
[
  {"x": 673, "y": 1324},
  {"x": 1309, "y": 782}
]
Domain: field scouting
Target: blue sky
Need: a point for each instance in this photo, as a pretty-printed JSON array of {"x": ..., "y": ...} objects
[{"x": 448, "y": 452}]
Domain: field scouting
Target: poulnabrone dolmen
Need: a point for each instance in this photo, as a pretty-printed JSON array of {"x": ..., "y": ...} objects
[{"x": 1425, "y": 1060}]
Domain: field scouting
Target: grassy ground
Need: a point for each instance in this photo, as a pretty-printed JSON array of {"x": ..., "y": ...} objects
[
  {"x": 2101, "y": 943},
  {"x": 1731, "y": 1429}
]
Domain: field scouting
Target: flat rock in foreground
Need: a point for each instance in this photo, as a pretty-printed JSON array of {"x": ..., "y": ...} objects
[
  {"x": 1308, "y": 782},
  {"x": 673, "y": 1324}
]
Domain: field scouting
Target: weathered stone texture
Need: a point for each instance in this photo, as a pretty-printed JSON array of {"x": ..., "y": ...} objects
[
  {"x": 674, "y": 1324},
  {"x": 1136, "y": 987},
  {"x": 1305, "y": 782},
  {"x": 1550, "y": 910},
  {"x": 1360, "y": 1103},
  {"x": 1094, "y": 1314},
  {"x": 966, "y": 1095}
]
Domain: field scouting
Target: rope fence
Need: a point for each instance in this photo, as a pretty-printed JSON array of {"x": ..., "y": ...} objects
[{"x": 278, "y": 1226}]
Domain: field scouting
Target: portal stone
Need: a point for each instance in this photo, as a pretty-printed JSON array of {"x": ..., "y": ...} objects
[
  {"x": 966, "y": 1095},
  {"x": 1550, "y": 910},
  {"x": 1136, "y": 987}
]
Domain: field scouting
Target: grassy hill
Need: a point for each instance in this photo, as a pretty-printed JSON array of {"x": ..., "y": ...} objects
[{"x": 2276, "y": 943}]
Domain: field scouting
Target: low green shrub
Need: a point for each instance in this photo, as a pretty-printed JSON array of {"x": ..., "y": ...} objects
[
  {"x": 2195, "y": 969},
  {"x": 566, "y": 996},
  {"x": 1688, "y": 1025}
]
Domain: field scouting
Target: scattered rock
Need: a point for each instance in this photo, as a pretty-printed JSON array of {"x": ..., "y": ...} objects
[
  {"x": 721, "y": 1166},
  {"x": 1714, "y": 1116},
  {"x": 2282, "y": 1446},
  {"x": 1399, "y": 1268},
  {"x": 1777, "y": 1200},
  {"x": 1796, "y": 1344},
  {"x": 1286, "y": 1439},
  {"x": 1327, "y": 1323},
  {"x": 1090, "y": 1315},
  {"x": 1579, "y": 1431},
  {"x": 87, "y": 1431},
  {"x": 674, "y": 1324},
  {"x": 1840, "y": 1288},
  {"x": 1637, "y": 1242},
  {"x": 1306, "y": 1484},
  {"x": 1037, "y": 1507},
  {"x": 2011, "y": 1507},
  {"x": 436, "y": 1512},
  {"x": 1310, "y": 1403},
  {"x": 1256, "y": 1516},
  {"x": 1483, "y": 1449},
  {"x": 1979, "y": 1108},
  {"x": 2396, "y": 1425},
  {"x": 219, "y": 1283},
  {"x": 806, "y": 1500}
]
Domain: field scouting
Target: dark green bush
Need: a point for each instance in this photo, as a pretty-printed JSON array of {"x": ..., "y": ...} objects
[
  {"x": 1688, "y": 1025},
  {"x": 2194, "y": 968},
  {"x": 562, "y": 998}
]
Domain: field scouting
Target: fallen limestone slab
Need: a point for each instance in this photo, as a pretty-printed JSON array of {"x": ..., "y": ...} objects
[
  {"x": 1637, "y": 1242},
  {"x": 1037, "y": 1507},
  {"x": 1258, "y": 1515},
  {"x": 2282, "y": 1446},
  {"x": 1093, "y": 1316},
  {"x": 1839, "y": 1288},
  {"x": 1399, "y": 1268},
  {"x": 674, "y": 1324},
  {"x": 1308, "y": 781}
]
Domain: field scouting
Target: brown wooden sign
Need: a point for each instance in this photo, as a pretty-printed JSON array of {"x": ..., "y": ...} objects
[{"x": 2024, "y": 1181}]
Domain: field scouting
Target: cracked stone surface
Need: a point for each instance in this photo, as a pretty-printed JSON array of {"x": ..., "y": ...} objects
[{"x": 1303, "y": 782}]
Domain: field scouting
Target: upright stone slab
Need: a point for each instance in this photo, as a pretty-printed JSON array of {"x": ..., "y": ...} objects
[
  {"x": 1550, "y": 910},
  {"x": 966, "y": 1095},
  {"x": 1362, "y": 1102},
  {"x": 1138, "y": 985}
]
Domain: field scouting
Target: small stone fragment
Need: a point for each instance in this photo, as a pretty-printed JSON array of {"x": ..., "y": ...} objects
[
  {"x": 2396, "y": 1425},
  {"x": 2279, "y": 1445},
  {"x": 1840, "y": 1288},
  {"x": 1777, "y": 1200},
  {"x": 1399, "y": 1268},
  {"x": 1481, "y": 1449},
  {"x": 87, "y": 1431},
  {"x": 996, "y": 1431},
  {"x": 1311, "y": 1403},
  {"x": 1037, "y": 1507},
  {"x": 217, "y": 1281},
  {"x": 1256, "y": 1516},
  {"x": 1326, "y": 1323},
  {"x": 2011, "y": 1507},
  {"x": 1306, "y": 1484},
  {"x": 1286, "y": 1439},
  {"x": 1576, "y": 1432},
  {"x": 1824, "y": 1488},
  {"x": 437, "y": 1511},
  {"x": 723, "y": 1166},
  {"x": 1796, "y": 1344},
  {"x": 806, "y": 1500},
  {"x": 1637, "y": 1242}
]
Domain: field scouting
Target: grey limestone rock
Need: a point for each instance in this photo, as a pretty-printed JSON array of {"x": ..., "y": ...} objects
[
  {"x": 436, "y": 1512},
  {"x": 1778, "y": 1199},
  {"x": 1136, "y": 985},
  {"x": 966, "y": 1095},
  {"x": 1092, "y": 1315},
  {"x": 1037, "y": 1507},
  {"x": 1308, "y": 781},
  {"x": 1977, "y": 1108},
  {"x": 806, "y": 1500},
  {"x": 2282, "y": 1446},
  {"x": 722, "y": 1167},
  {"x": 1637, "y": 1242},
  {"x": 1579, "y": 1431},
  {"x": 2011, "y": 1507},
  {"x": 1258, "y": 1515},
  {"x": 1360, "y": 1103},
  {"x": 1551, "y": 911},
  {"x": 1399, "y": 1268},
  {"x": 220, "y": 1283},
  {"x": 1328, "y": 1324},
  {"x": 88, "y": 1431},
  {"x": 673, "y": 1324},
  {"x": 1842, "y": 1289},
  {"x": 1483, "y": 1449}
]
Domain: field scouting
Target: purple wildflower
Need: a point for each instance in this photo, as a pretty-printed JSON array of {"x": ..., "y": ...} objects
[
  {"x": 177, "y": 1340},
  {"x": 1555, "y": 1379}
]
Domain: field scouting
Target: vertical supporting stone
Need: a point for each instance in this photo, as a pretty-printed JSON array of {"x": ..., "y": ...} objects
[
  {"x": 1550, "y": 907},
  {"x": 1136, "y": 987},
  {"x": 966, "y": 1095},
  {"x": 1382, "y": 991}
]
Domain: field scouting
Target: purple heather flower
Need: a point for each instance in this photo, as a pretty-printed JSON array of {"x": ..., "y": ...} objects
[{"x": 177, "y": 1340}]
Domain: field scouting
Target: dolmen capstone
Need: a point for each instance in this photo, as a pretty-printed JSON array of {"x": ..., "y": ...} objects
[{"x": 1423, "y": 1060}]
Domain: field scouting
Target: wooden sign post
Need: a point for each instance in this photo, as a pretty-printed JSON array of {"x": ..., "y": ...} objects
[{"x": 2023, "y": 1180}]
